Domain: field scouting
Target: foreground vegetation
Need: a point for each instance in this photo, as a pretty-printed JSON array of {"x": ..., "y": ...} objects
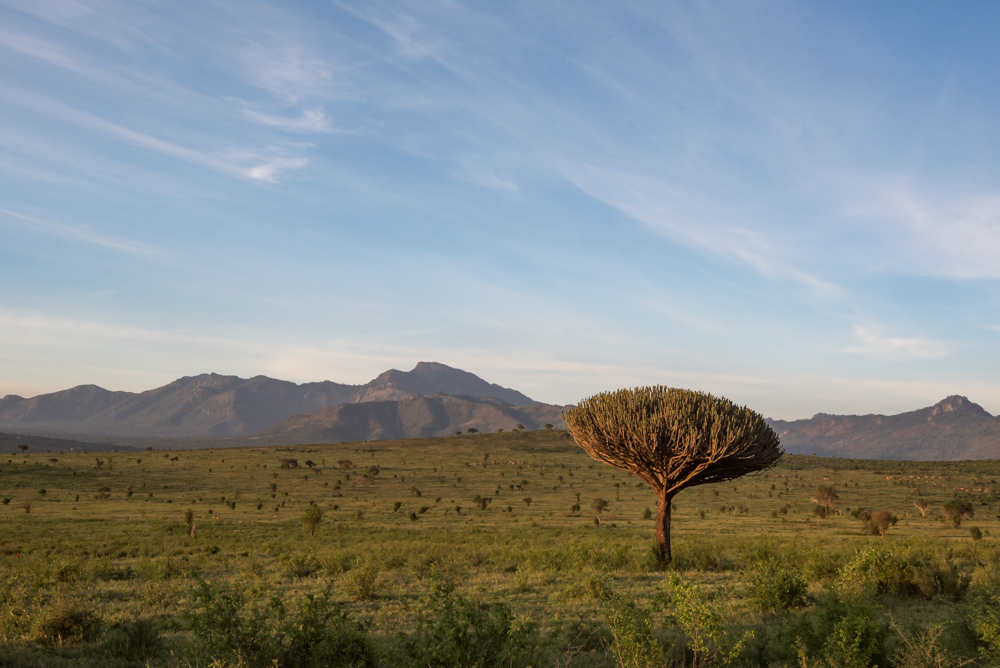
[{"x": 501, "y": 549}]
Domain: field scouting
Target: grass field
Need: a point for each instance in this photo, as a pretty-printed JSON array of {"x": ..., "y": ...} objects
[{"x": 427, "y": 547}]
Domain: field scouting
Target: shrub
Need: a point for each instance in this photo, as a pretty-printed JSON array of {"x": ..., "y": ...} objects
[
  {"x": 922, "y": 647},
  {"x": 874, "y": 571},
  {"x": 65, "y": 622},
  {"x": 301, "y": 566},
  {"x": 362, "y": 580},
  {"x": 702, "y": 635},
  {"x": 635, "y": 640},
  {"x": 133, "y": 640},
  {"x": 845, "y": 635},
  {"x": 317, "y": 633},
  {"x": 886, "y": 571},
  {"x": 453, "y": 631},
  {"x": 774, "y": 587}
]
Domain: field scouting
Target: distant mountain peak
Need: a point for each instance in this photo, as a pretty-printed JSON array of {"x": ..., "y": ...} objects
[
  {"x": 953, "y": 428},
  {"x": 957, "y": 403}
]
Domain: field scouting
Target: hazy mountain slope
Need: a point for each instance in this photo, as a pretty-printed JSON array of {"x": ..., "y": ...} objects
[
  {"x": 414, "y": 417},
  {"x": 430, "y": 378},
  {"x": 213, "y": 405},
  {"x": 954, "y": 428},
  {"x": 75, "y": 404},
  {"x": 42, "y": 446}
]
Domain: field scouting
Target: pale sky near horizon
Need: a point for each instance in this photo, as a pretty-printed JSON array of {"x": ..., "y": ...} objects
[{"x": 794, "y": 205}]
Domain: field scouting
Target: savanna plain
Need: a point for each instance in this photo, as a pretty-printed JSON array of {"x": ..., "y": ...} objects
[{"x": 508, "y": 549}]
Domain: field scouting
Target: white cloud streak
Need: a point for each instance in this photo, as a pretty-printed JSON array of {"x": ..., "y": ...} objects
[
  {"x": 872, "y": 343},
  {"x": 81, "y": 234},
  {"x": 241, "y": 163}
]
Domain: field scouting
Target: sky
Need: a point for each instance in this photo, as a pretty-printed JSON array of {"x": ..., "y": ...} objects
[{"x": 793, "y": 205}]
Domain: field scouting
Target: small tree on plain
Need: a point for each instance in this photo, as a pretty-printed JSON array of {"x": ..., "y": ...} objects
[
  {"x": 673, "y": 439},
  {"x": 957, "y": 510},
  {"x": 599, "y": 505},
  {"x": 825, "y": 496},
  {"x": 878, "y": 523},
  {"x": 923, "y": 505},
  {"x": 22, "y": 447},
  {"x": 548, "y": 426},
  {"x": 312, "y": 516},
  {"x": 472, "y": 430}
]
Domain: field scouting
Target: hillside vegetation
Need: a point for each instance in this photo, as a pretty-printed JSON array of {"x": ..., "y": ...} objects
[{"x": 456, "y": 550}]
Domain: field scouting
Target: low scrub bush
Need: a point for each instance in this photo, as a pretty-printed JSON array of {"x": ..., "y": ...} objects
[
  {"x": 702, "y": 637},
  {"x": 774, "y": 587},
  {"x": 65, "y": 622},
  {"x": 984, "y": 620},
  {"x": 361, "y": 582},
  {"x": 133, "y": 640},
  {"x": 635, "y": 641},
  {"x": 314, "y": 633},
  {"x": 301, "y": 566},
  {"x": 844, "y": 635},
  {"x": 884, "y": 570},
  {"x": 701, "y": 555},
  {"x": 453, "y": 631}
]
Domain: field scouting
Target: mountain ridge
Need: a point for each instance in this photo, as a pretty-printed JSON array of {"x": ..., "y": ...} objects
[
  {"x": 953, "y": 428},
  {"x": 215, "y": 405}
]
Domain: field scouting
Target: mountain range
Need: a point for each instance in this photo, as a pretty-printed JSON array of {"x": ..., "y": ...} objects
[
  {"x": 433, "y": 400},
  {"x": 954, "y": 428},
  {"x": 211, "y": 405}
]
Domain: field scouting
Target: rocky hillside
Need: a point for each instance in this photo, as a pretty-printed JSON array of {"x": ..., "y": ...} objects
[{"x": 954, "y": 428}]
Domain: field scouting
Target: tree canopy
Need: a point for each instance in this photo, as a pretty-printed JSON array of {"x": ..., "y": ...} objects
[{"x": 673, "y": 439}]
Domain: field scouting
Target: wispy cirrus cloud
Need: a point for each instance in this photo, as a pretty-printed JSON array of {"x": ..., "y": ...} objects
[
  {"x": 255, "y": 165},
  {"x": 310, "y": 120},
  {"x": 81, "y": 234},
  {"x": 872, "y": 343}
]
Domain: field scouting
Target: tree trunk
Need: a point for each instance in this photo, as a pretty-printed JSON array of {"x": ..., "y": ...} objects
[{"x": 663, "y": 526}]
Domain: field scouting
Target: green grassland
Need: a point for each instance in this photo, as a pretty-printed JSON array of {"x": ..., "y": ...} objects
[{"x": 97, "y": 566}]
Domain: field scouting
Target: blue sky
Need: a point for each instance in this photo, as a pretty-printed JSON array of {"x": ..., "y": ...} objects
[{"x": 794, "y": 205}]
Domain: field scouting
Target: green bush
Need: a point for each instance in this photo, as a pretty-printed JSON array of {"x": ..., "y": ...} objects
[
  {"x": 133, "y": 640},
  {"x": 362, "y": 581},
  {"x": 315, "y": 634},
  {"x": 843, "y": 635},
  {"x": 65, "y": 622},
  {"x": 984, "y": 619},
  {"x": 886, "y": 570},
  {"x": 774, "y": 587},
  {"x": 635, "y": 642},
  {"x": 702, "y": 638},
  {"x": 453, "y": 631},
  {"x": 301, "y": 566},
  {"x": 875, "y": 570}
]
